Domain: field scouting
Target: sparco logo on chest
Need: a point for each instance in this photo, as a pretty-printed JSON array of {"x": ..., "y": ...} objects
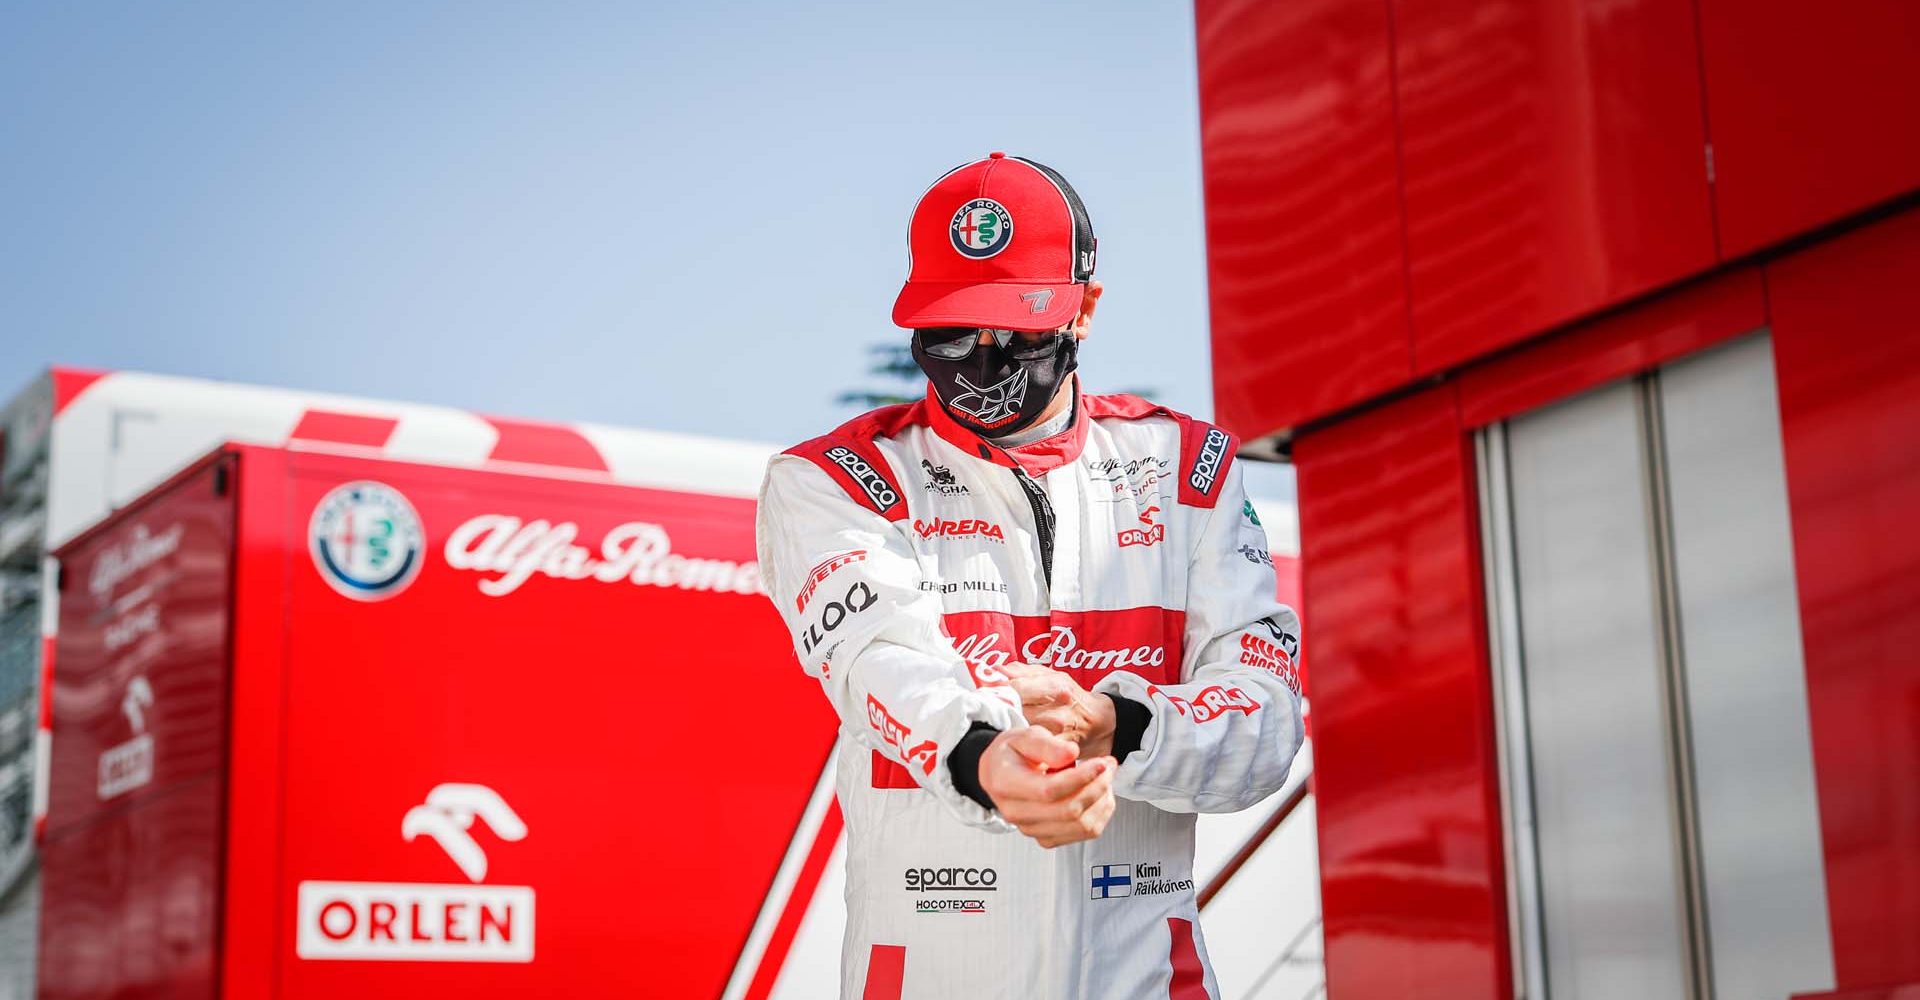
[
  {"x": 1207, "y": 467},
  {"x": 869, "y": 478}
]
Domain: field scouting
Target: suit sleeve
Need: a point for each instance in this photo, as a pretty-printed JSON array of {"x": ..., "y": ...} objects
[
  {"x": 848, "y": 585},
  {"x": 1226, "y": 736}
]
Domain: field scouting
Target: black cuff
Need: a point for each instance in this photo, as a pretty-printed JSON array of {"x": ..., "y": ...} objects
[
  {"x": 963, "y": 762},
  {"x": 1129, "y": 724}
]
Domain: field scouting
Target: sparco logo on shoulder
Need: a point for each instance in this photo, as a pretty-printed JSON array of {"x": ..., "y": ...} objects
[
  {"x": 1207, "y": 467},
  {"x": 869, "y": 478}
]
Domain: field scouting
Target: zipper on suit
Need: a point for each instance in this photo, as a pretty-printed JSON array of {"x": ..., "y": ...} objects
[{"x": 1042, "y": 520}]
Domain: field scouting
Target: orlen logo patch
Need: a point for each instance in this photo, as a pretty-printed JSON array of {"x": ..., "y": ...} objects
[
  {"x": 1207, "y": 467},
  {"x": 427, "y": 922},
  {"x": 968, "y": 528},
  {"x": 876, "y": 486},
  {"x": 1149, "y": 535},
  {"x": 896, "y": 735},
  {"x": 1211, "y": 703}
]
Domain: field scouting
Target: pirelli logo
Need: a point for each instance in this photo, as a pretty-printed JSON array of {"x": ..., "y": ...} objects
[
  {"x": 1206, "y": 468},
  {"x": 871, "y": 482}
]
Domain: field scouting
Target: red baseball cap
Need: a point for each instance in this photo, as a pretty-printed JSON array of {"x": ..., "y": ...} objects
[{"x": 1001, "y": 242}]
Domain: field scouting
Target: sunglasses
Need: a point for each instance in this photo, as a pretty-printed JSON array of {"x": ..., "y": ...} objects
[{"x": 956, "y": 343}]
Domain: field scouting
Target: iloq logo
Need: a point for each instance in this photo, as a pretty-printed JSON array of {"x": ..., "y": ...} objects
[
  {"x": 366, "y": 540},
  {"x": 858, "y": 598},
  {"x": 1207, "y": 467},
  {"x": 877, "y": 488},
  {"x": 419, "y": 921}
]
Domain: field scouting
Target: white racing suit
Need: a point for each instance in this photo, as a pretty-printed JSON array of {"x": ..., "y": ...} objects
[{"x": 911, "y": 559}]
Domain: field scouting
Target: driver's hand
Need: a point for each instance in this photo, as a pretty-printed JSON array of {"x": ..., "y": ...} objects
[
  {"x": 1054, "y": 701},
  {"x": 1038, "y": 784}
]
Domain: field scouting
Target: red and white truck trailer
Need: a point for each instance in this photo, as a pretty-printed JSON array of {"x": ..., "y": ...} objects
[{"x": 360, "y": 698}]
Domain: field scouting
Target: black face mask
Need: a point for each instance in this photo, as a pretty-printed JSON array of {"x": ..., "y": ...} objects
[{"x": 997, "y": 388}]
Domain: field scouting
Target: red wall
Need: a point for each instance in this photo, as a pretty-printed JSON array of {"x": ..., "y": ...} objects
[
  {"x": 1303, "y": 219},
  {"x": 1405, "y": 779},
  {"x": 1404, "y": 774},
  {"x": 1846, "y": 322},
  {"x": 1398, "y": 187}
]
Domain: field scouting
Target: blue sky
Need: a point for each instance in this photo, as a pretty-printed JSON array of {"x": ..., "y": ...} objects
[{"x": 687, "y": 217}]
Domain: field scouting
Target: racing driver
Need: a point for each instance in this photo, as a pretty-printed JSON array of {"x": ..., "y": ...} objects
[{"x": 1047, "y": 620}]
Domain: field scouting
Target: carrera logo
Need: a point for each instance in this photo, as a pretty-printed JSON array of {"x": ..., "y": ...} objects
[
  {"x": 877, "y": 488},
  {"x": 427, "y": 922},
  {"x": 1206, "y": 468},
  {"x": 637, "y": 553},
  {"x": 896, "y": 735},
  {"x": 1149, "y": 535},
  {"x": 1210, "y": 704},
  {"x": 968, "y": 528},
  {"x": 822, "y": 571}
]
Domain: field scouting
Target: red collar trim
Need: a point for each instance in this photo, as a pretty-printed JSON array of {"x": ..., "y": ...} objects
[{"x": 1035, "y": 458}]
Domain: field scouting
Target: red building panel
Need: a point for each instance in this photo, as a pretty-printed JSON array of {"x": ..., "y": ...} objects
[
  {"x": 1554, "y": 161},
  {"x": 1811, "y": 109},
  {"x": 1846, "y": 334},
  {"x": 1303, "y": 217},
  {"x": 1410, "y": 842},
  {"x": 1627, "y": 343}
]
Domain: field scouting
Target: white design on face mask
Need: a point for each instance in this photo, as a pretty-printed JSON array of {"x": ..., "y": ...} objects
[{"x": 992, "y": 403}]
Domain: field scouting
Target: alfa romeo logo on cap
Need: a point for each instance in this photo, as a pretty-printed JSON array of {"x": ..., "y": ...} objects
[{"x": 981, "y": 228}]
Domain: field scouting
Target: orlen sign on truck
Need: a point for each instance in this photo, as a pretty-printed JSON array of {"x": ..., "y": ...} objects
[{"x": 330, "y": 725}]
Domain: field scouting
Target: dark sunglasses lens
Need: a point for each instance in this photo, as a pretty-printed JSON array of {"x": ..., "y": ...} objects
[
  {"x": 1025, "y": 350},
  {"x": 949, "y": 343}
]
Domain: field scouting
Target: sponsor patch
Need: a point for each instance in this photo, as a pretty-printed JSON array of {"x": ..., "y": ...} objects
[
  {"x": 1151, "y": 534},
  {"x": 1206, "y": 468},
  {"x": 869, "y": 479},
  {"x": 825, "y": 569},
  {"x": 858, "y": 598},
  {"x": 940, "y": 481},
  {"x": 897, "y": 734},
  {"x": 964, "y": 528},
  {"x": 1211, "y": 703}
]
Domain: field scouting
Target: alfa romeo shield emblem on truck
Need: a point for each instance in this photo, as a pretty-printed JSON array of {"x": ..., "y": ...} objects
[{"x": 366, "y": 540}]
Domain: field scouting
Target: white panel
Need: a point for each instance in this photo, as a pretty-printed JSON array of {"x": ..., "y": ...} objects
[
  {"x": 1272, "y": 903},
  {"x": 1594, "y": 703},
  {"x": 1747, "y": 695}
]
